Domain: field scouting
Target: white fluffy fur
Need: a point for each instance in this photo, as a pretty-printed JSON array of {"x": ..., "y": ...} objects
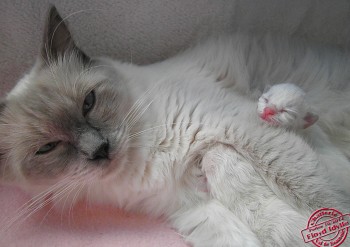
[{"x": 199, "y": 116}]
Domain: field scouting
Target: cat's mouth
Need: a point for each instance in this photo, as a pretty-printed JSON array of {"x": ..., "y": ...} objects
[
  {"x": 111, "y": 164},
  {"x": 101, "y": 163},
  {"x": 109, "y": 167}
]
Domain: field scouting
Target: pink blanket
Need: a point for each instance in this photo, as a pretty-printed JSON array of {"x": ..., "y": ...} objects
[{"x": 82, "y": 226}]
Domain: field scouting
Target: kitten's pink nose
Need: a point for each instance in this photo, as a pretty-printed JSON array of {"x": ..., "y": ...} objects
[{"x": 267, "y": 113}]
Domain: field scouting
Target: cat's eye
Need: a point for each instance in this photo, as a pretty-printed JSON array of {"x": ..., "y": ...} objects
[
  {"x": 89, "y": 103},
  {"x": 47, "y": 148},
  {"x": 266, "y": 100}
]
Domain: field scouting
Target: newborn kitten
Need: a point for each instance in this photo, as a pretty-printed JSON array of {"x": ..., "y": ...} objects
[
  {"x": 285, "y": 105},
  {"x": 177, "y": 138}
]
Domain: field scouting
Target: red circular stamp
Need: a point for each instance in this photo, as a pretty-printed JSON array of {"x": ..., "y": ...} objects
[{"x": 327, "y": 227}]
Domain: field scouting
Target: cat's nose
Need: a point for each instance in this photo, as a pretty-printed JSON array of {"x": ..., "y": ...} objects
[
  {"x": 268, "y": 112},
  {"x": 101, "y": 152}
]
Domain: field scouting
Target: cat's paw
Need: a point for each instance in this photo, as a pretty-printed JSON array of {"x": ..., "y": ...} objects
[{"x": 284, "y": 105}]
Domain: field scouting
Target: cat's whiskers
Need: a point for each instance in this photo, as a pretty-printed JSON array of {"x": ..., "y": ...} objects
[
  {"x": 135, "y": 108},
  {"x": 74, "y": 200},
  {"x": 53, "y": 205},
  {"x": 25, "y": 212},
  {"x": 82, "y": 181},
  {"x": 138, "y": 116},
  {"x": 41, "y": 200},
  {"x": 79, "y": 189},
  {"x": 38, "y": 198},
  {"x": 66, "y": 196},
  {"x": 137, "y": 134},
  {"x": 56, "y": 197},
  {"x": 87, "y": 196},
  {"x": 90, "y": 183}
]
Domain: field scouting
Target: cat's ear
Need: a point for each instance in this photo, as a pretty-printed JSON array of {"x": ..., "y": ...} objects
[
  {"x": 310, "y": 118},
  {"x": 57, "y": 40},
  {"x": 2, "y": 107},
  {"x": 2, "y": 171},
  {"x": 6, "y": 175}
]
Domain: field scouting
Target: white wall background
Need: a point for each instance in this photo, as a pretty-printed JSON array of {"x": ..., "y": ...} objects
[{"x": 149, "y": 30}]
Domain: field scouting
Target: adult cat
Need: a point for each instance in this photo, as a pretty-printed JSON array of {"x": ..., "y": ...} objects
[{"x": 180, "y": 138}]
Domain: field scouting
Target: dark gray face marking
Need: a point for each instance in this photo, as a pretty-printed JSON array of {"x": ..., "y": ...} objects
[
  {"x": 58, "y": 40},
  {"x": 93, "y": 144},
  {"x": 67, "y": 117}
]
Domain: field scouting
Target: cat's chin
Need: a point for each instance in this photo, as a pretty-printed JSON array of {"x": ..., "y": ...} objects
[{"x": 111, "y": 167}]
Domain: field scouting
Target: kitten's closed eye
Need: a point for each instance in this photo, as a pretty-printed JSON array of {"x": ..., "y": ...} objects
[
  {"x": 89, "y": 102},
  {"x": 284, "y": 105},
  {"x": 47, "y": 148}
]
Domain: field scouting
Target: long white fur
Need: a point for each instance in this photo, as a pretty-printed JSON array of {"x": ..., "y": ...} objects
[{"x": 203, "y": 103}]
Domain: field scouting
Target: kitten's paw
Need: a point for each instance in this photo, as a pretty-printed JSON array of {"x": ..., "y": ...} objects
[{"x": 284, "y": 105}]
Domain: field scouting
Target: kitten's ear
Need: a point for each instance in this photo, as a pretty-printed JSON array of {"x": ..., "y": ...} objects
[
  {"x": 58, "y": 40},
  {"x": 310, "y": 118}
]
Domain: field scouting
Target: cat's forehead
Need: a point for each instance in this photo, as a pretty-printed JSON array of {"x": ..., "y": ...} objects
[{"x": 65, "y": 80}]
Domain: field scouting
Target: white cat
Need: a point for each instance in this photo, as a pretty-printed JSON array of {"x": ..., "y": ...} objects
[{"x": 180, "y": 138}]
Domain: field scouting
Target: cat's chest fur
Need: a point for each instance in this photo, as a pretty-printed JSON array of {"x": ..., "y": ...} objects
[
  {"x": 189, "y": 110},
  {"x": 186, "y": 114}
]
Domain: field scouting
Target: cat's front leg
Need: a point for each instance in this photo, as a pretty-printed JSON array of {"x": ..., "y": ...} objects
[{"x": 213, "y": 225}]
